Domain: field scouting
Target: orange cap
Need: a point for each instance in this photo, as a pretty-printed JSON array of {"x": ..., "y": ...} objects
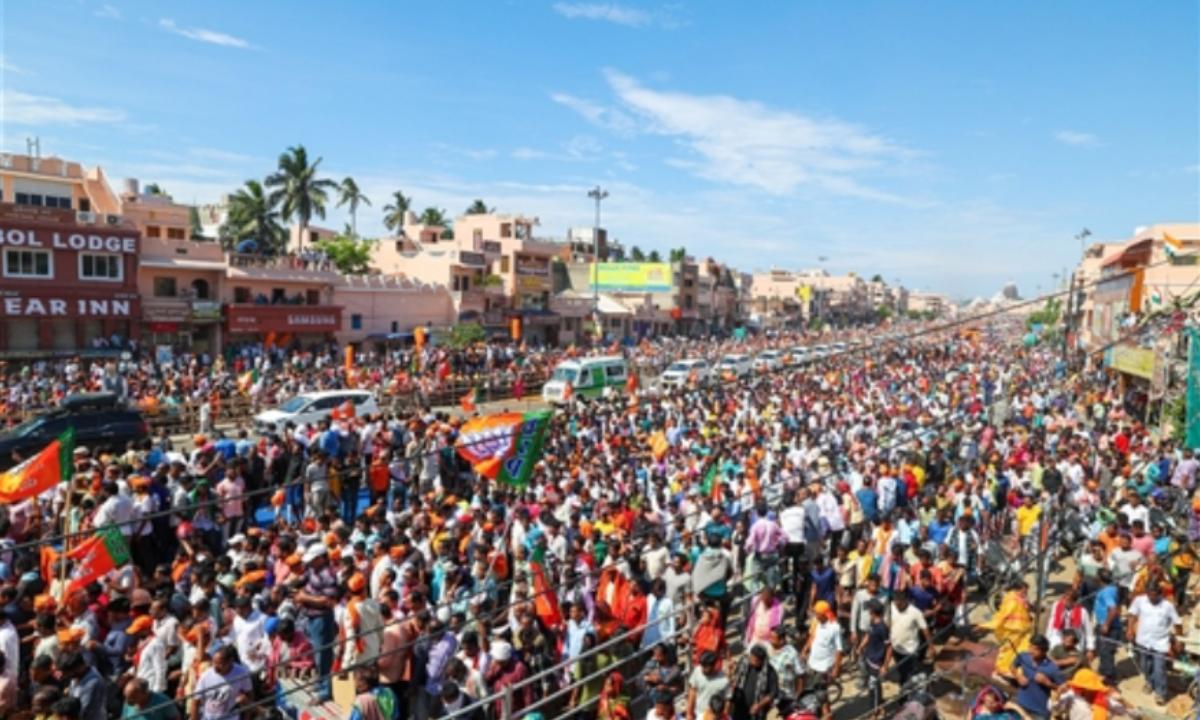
[
  {"x": 140, "y": 625},
  {"x": 357, "y": 583}
]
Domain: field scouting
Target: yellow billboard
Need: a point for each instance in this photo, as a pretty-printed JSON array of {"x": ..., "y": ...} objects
[
  {"x": 632, "y": 276},
  {"x": 1132, "y": 360}
]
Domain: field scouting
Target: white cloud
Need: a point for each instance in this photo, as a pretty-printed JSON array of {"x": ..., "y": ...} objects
[
  {"x": 25, "y": 109},
  {"x": 527, "y": 153},
  {"x": 617, "y": 14},
  {"x": 597, "y": 114},
  {"x": 204, "y": 35},
  {"x": 746, "y": 143},
  {"x": 108, "y": 11},
  {"x": 1076, "y": 138},
  {"x": 6, "y": 66}
]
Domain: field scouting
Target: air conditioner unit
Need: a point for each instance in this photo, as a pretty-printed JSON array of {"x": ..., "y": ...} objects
[
  {"x": 112, "y": 219},
  {"x": 85, "y": 218}
]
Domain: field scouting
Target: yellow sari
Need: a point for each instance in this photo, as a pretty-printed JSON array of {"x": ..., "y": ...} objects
[{"x": 1013, "y": 627}]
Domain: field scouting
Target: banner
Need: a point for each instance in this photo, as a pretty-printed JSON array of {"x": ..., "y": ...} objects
[
  {"x": 1193, "y": 389},
  {"x": 632, "y": 276},
  {"x": 1137, "y": 361},
  {"x": 504, "y": 446},
  {"x": 518, "y": 467}
]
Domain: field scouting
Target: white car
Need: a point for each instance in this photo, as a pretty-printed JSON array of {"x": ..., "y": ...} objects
[
  {"x": 768, "y": 361},
  {"x": 798, "y": 355},
  {"x": 312, "y": 407},
  {"x": 680, "y": 373},
  {"x": 736, "y": 364}
]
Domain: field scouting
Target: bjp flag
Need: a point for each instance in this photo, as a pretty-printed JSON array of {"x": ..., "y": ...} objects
[{"x": 41, "y": 472}]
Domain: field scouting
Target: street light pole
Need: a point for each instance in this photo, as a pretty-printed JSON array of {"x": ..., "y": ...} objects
[{"x": 597, "y": 194}]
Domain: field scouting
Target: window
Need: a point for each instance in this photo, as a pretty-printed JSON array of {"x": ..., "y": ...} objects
[
  {"x": 85, "y": 205},
  {"x": 101, "y": 267},
  {"x": 241, "y": 295},
  {"x": 505, "y": 230},
  {"x": 153, "y": 231},
  {"x": 395, "y": 326},
  {"x": 164, "y": 287},
  {"x": 176, "y": 234},
  {"x": 200, "y": 288},
  {"x": 356, "y": 322},
  {"x": 312, "y": 297},
  {"x": 504, "y": 264},
  {"x": 688, "y": 301},
  {"x": 28, "y": 263}
]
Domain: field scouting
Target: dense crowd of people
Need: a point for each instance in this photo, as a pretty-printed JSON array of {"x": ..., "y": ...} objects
[{"x": 719, "y": 550}]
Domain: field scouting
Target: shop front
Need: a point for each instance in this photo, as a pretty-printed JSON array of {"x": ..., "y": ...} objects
[
  {"x": 302, "y": 326},
  {"x": 171, "y": 325},
  {"x": 66, "y": 288}
]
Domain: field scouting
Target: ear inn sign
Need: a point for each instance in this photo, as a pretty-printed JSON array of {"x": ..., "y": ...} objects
[{"x": 59, "y": 307}]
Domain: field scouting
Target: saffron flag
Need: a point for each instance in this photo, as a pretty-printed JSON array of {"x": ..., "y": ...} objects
[
  {"x": 345, "y": 411},
  {"x": 504, "y": 446},
  {"x": 98, "y": 555},
  {"x": 41, "y": 472},
  {"x": 467, "y": 402},
  {"x": 659, "y": 445},
  {"x": 545, "y": 600},
  {"x": 1172, "y": 245}
]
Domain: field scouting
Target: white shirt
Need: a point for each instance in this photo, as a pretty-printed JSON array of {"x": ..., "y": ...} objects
[
  {"x": 831, "y": 511},
  {"x": 792, "y": 522},
  {"x": 1154, "y": 623},
  {"x": 827, "y": 643},
  {"x": 152, "y": 664},
  {"x": 117, "y": 510},
  {"x": 10, "y": 644},
  {"x": 251, "y": 639}
]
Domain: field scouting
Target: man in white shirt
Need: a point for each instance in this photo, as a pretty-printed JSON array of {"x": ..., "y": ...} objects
[
  {"x": 1151, "y": 623},
  {"x": 114, "y": 509},
  {"x": 908, "y": 626},
  {"x": 250, "y": 635},
  {"x": 151, "y": 654}
]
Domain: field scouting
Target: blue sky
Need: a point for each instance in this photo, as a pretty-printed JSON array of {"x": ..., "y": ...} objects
[{"x": 951, "y": 145}]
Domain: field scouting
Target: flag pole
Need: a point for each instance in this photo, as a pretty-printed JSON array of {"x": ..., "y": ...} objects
[{"x": 62, "y": 559}]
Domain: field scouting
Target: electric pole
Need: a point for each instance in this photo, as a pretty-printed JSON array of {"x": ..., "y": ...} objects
[{"x": 596, "y": 194}]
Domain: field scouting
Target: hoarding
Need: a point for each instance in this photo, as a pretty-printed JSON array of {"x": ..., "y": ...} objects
[
  {"x": 632, "y": 276},
  {"x": 1131, "y": 360}
]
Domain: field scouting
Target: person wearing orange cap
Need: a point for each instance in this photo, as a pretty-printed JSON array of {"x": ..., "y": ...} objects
[
  {"x": 824, "y": 650},
  {"x": 1087, "y": 697},
  {"x": 362, "y": 625},
  {"x": 149, "y": 655}
]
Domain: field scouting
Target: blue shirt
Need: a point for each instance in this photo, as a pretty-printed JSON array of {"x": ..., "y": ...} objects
[
  {"x": 868, "y": 499},
  {"x": 1106, "y": 600},
  {"x": 1035, "y": 697},
  {"x": 938, "y": 531}
]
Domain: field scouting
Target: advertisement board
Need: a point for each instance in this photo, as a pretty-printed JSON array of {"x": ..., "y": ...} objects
[
  {"x": 1132, "y": 360},
  {"x": 632, "y": 276}
]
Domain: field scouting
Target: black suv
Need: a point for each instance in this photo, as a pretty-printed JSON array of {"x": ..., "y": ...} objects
[{"x": 101, "y": 422}]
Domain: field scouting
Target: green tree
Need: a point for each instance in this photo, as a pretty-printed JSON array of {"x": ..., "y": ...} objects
[
  {"x": 153, "y": 189},
  {"x": 876, "y": 278},
  {"x": 466, "y": 334},
  {"x": 654, "y": 257},
  {"x": 197, "y": 230},
  {"x": 253, "y": 215},
  {"x": 437, "y": 217},
  {"x": 491, "y": 281},
  {"x": 300, "y": 193},
  {"x": 636, "y": 254},
  {"x": 479, "y": 207},
  {"x": 349, "y": 194},
  {"x": 883, "y": 312},
  {"x": 393, "y": 212},
  {"x": 349, "y": 254},
  {"x": 678, "y": 254}
]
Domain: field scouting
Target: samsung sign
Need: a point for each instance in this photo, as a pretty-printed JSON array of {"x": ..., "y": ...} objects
[{"x": 54, "y": 240}]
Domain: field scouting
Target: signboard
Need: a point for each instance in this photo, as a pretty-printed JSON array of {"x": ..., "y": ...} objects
[
  {"x": 467, "y": 257},
  {"x": 206, "y": 310},
  {"x": 24, "y": 306},
  {"x": 632, "y": 276},
  {"x": 531, "y": 267},
  {"x": 1131, "y": 360},
  {"x": 76, "y": 241},
  {"x": 1192, "y": 411},
  {"x": 532, "y": 283},
  {"x": 283, "y": 318}
]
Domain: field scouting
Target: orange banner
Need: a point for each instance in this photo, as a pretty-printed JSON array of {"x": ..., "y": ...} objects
[{"x": 514, "y": 329}]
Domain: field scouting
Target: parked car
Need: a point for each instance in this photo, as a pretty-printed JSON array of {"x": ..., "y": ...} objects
[
  {"x": 736, "y": 364},
  {"x": 798, "y": 355},
  {"x": 768, "y": 361},
  {"x": 102, "y": 422},
  {"x": 681, "y": 372},
  {"x": 312, "y": 407}
]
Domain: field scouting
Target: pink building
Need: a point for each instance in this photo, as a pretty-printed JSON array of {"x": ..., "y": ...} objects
[
  {"x": 381, "y": 308},
  {"x": 181, "y": 284}
]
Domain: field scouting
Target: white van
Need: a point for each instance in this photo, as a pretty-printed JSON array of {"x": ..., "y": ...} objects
[
  {"x": 588, "y": 378},
  {"x": 680, "y": 373},
  {"x": 311, "y": 407}
]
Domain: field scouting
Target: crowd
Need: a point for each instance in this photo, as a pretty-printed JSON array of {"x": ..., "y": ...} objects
[{"x": 721, "y": 551}]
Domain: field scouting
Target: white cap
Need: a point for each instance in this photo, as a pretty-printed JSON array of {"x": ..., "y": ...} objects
[
  {"x": 501, "y": 651},
  {"x": 314, "y": 551}
]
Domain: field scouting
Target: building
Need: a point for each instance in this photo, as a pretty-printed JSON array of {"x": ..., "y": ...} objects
[
  {"x": 155, "y": 214},
  {"x": 312, "y": 235},
  {"x": 68, "y": 263},
  {"x": 181, "y": 283},
  {"x": 278, "y": 301},
  {"x": 930, "y": 303},
  {"x": 381, "y": 309}
]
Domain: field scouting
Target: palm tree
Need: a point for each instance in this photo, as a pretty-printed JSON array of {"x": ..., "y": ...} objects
[
  {"x": 433, "y": 216},
  {"x": 636, "y": 254},
  {"x": 298, "y": 190},
  {"x": 393, "y": 212},
  {"x": 654, "y": 257},
  {"x": 349, "y": 194},
  {"x": 479, "y": 207},
  {"x": 253, "y": 214}
]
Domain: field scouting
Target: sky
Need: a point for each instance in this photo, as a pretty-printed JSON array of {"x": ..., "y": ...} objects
[{"x": 949, "y": 146}]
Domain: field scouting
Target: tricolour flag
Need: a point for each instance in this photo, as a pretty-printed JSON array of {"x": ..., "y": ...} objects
[
  {"x": 41, "y": 472},
  {"x": 1172, "y": 245},
  {"x": 97, "y": 556}
]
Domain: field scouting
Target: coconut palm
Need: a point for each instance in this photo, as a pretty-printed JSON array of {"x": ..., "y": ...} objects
[
  {"x": 433, "y": 216},
  {"x": 479, "y": 207},
  {"x": 393, "y": 212},
  {"x": 349, "y": 194},
  {"x": 298, "y": 190},
  {"x": 253, "y": 214}
]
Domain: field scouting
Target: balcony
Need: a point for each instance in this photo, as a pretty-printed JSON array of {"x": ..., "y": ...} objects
[{"x": 303, "y": 267}]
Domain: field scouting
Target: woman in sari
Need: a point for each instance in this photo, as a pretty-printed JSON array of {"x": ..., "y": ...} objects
[
  {"x": 614, "y": 703},
  {"x": 766, "y": 613},
  {"x": 1012, "y": 625},
  {"x": 372, "y": 701}
]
